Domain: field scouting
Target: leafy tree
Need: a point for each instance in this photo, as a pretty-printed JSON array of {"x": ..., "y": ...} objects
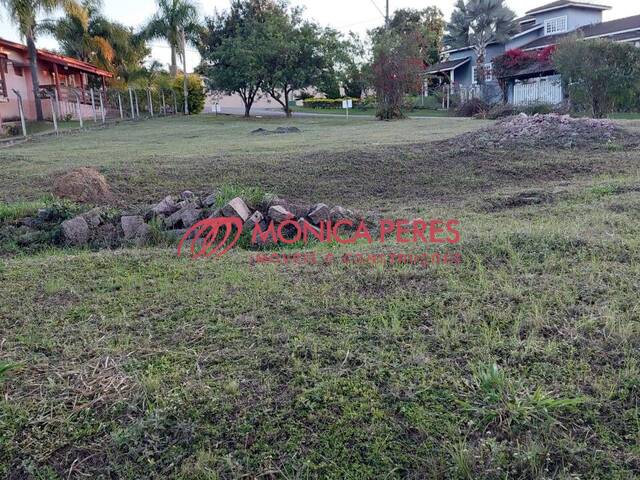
[
  {"x": 396, "y": 67},
  {"x": 172, "y": 18},
  {"x": 426, "y": 26},
  {"x": 298, "y": 54},
  {"x": 478, "y": 23},
  {"x": 24, "y": 14},
  {"x": 233, "y": 48},
  {"x": 598, "y": 74},
  {"x": 354, "y": 66},
  {"x": 196, "y": 95}
]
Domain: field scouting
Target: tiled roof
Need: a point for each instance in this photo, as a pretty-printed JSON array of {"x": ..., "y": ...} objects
[
  {"x": 59, "y": 59},
  {"x": 567, "y": 3}
]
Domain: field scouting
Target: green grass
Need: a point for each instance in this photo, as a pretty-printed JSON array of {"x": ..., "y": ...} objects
[{"x": 520, "y": 363}]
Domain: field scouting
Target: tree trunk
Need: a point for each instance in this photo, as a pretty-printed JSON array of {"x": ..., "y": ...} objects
[
  {"x": 185, "y": 83},
  {"x": 247, "y": 110},
  {"x": 480, "y": 66},
  {"x": 33, "y": 60},
  {"x": 287, "y": 110},
  {"x": 173, "y": 69}
]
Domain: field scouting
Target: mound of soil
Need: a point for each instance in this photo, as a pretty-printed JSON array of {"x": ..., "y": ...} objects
[
  {"x": 83, "y": 185},
  {"x": 543, "y": 131}
]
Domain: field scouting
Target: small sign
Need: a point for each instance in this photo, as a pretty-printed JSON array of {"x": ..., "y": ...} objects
[{"x": 347, "y": 104}]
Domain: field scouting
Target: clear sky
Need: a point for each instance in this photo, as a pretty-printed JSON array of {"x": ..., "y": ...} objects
[{"x": 344, "y": 15}]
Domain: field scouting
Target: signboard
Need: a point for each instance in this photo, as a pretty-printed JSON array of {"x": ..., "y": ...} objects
[{"x": 347, "y": 104}]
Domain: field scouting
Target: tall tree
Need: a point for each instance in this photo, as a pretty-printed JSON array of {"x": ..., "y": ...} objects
[
  {"x": 172, "y": 19},
  {"x": 426, "y": 27},
  {"x": 478, "y": 23},
  {"x": 24, "y": 14},
  {"x": 233, "y": 48},
  {"x": 299, "y": 54},
  {"x": 88, "y": 35}
]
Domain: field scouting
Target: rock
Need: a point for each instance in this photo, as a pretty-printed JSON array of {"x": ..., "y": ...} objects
[
  {"x": 236, "y": 208},
  {"x": 280, "y": 214},
  {"x": 282, "y": 130},
  {"x": 268, "y": 241},
  {"x": 84, "y": 185},
  {"x": 187, "y": 195},
  {"x": 93, "y": 217},
  {"x": 143, "y": 235},
  {"x": 340, "y": 213},
  {"x": 130, "y": 225},
  {"x": 252, "y": 221},
  {"x": 48, "y": 214},
  {"x": 165, "y": 208},
  {"x": 186, "y": 217},
  {"x": 304, "y": 223},
  {"x": 75, "y": 231},
  {"x": 210, "y": 201},
  {"x": 319, "y": 213}
]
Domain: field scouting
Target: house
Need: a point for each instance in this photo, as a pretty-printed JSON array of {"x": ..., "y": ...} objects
[
  {"x": 538, "y": 29},
  {"x": 58, "y": 73}
]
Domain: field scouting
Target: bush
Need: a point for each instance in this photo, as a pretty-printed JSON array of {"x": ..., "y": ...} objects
[
  {"x": 599, "y": 75},
  {"x": 472, "y": 108},
  {"x": 197, "y": 94},
  {"x": 328, "y": 102},
  {"x": 501, "y": 111}
]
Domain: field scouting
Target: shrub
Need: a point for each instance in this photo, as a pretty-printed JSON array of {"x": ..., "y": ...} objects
[
  {"x": 501, "y": 111},
  {"x": 472, "y": 108},
  {"x": 599, "y": 75},
  {"x": 196, "y": 93},
  {"x": 328, "y": 102}
]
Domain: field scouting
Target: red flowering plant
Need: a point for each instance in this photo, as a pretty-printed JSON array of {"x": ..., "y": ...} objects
[{"x": 512, "y": 61}]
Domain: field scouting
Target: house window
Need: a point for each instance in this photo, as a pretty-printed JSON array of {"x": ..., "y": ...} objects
[
  {"x": 555, "y": 25},
  {"x": 3, "y": 80},
  {"x": 488, "y": 73}
]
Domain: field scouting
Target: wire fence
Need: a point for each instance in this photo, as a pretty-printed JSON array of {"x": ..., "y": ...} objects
[{"x": 68, "y": 108}]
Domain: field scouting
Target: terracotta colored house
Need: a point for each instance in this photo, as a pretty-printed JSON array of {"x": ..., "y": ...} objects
[{"x": 64, "y": 74}]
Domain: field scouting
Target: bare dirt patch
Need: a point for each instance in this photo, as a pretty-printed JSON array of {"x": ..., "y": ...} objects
[{"x": 83, "y": 185}]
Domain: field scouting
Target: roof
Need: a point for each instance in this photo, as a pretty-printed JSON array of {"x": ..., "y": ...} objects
[
  {"x": 447, "y": 66},
  {"x": 567, "y": 3},
  {"x": 618, "y": 30},
  {"x": 59, "y": 59},
  {"x": 533, "y": 69}
]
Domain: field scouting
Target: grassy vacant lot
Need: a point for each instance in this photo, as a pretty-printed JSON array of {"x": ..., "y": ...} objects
[{"x": 520, "y": 363}]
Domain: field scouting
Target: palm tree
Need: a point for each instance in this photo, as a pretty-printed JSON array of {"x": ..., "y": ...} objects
[
  {"x": 24, "y": 13},
  {"x": 90, "y": 36},
  {"x": 76, "y": 34},
  {"x": 478, "y": 23},
  {"x": 173, "y": 18}
]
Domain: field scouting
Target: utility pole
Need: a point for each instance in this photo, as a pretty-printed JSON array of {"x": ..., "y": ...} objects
[
  {"x": 386, "y": 16},
  {"x": 186, "y": 81}
]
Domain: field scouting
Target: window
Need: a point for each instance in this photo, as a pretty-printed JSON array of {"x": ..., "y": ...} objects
[
  {"x": 488, "y": 73},
  {"x": 555, "y": 25},
  {"x": 3, "y": 80}
]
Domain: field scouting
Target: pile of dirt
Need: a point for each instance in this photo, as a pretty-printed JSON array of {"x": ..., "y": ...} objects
[
  {"x": 84, "y": 185},
  {"x": 277, "y": 131},
  {"x": 543, "y": 131}
]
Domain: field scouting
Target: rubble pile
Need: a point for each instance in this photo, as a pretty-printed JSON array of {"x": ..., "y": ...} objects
[
  {"x": 544, "y": 131},
  {"x": 170, "y": 219}
]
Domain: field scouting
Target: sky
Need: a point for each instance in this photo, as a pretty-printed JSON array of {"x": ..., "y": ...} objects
[{"x": 343, "y": 15}]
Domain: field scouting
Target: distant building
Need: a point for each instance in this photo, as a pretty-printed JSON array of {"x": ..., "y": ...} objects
[{"x": 539, "y": 28}]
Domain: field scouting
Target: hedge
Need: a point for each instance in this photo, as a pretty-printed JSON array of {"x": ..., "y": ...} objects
[{"x": 328, "y": 102}]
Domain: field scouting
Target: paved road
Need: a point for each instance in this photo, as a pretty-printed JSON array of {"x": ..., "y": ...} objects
[{"x": 273, "y": 112}]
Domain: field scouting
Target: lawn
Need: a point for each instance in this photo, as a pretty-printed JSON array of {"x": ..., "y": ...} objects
[{"x": 521, "y": 362}]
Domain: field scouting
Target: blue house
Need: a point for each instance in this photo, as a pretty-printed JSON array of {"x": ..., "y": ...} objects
[{"x": 539, "y": 28}]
